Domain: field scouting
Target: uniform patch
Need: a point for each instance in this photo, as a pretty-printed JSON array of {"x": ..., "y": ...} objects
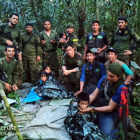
[
  {"x": 90, "y": 37},
  {"x": 97, "y": 70},
  {"x": 99, "y": 36}
]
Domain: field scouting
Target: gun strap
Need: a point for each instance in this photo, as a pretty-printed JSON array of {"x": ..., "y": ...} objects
[{"x": 28, "y": 40}]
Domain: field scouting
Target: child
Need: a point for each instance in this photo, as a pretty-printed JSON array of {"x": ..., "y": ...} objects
[{"x": 81, "y": 126}]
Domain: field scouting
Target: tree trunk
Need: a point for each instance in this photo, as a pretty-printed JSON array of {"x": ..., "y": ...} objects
[{"x": 97, "y": 10}]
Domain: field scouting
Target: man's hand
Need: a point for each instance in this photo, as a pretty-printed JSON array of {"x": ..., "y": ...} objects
[
  {"x": 15, "y": 87},
  {"x": 66, "y": 72},
  {"x": 62, "y": 40},
  {"x": 78, "y": 92},
  {"x": 43, "y": 42},
  {"x": 127, "y": 52},
  {"x": 99, "y": 50},
  {"x": 19, "y": 56},
  {"x": 38, "y": 58},
  {"x": 89, "y": 109},
  {"x": 8, "y": 87},
  {"x": 8, "y": 42},
  {"x": 53, "y": 41}
]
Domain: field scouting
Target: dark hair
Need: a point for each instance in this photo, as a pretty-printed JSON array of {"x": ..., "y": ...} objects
[
  {"x": 14, "y": 14},
  {"x": 29, "y": 24},
  {"x": 95, "y": 21},
  {"x": 43, "y": 73},
  {"x": 61, "y": 34},
  {"x": 83, "y": 96},
  {"x": 48, "y": 21},
  {"x": 45, "y": 66},
  {"x": 122, "y": 18},
  {"x": 67, "y": 45},
  {"x": 9, "y": 46}
]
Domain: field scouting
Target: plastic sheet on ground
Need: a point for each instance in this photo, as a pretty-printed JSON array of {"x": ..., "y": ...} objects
[{"x": 48, "y": 122}]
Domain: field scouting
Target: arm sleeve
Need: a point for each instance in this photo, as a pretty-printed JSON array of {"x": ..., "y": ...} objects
[
  {"x": 100, "y": 81},
  {"x": 20, "y": 42},
  {"x": 87, "y": 40},
  {"x": 127, "y": 70},
  {"x": 57, "y": 38},
  {"x": 83, "y": 74},
  {"x": 105, "y": 39},
  {"x": 2, "y": 82},
  {"x": 15, "y": 75},
  {"x": 111, "y": 44},
  {"x": 103, "y": 70},
  {"x": 75, "y": 41},
  {"x": 2, "y": 38},
  {"x": 38, "y": 46},
  {"x": 79, "y": 61},
  {"x": 64, "y": 62}
]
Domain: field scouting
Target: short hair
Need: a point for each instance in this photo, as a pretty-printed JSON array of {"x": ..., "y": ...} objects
[
  {"x": 61, "y": 34},
  {"x": 45, "y": 66},
  {"x": 10, "y": 46},
  {"x": 14, "y": 14},
  {"x": 83, "y": 96},
  {"x": 48, "y": 21},
  {"x": 43, "y": 73},
  {"x": 95, "y": 21},
  {"x": 29, "y": 24},
  {"x": 67, "y": 45},
  {"x": 122, "y": 18}
]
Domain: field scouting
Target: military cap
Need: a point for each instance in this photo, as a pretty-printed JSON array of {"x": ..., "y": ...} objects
[
  {"x": 111, "y": 49},
  {"x": 70, "y": 25}
]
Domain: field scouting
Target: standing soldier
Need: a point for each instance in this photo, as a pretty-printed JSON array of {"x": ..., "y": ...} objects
[
  {"x": 73, "y": 39},
  {"x": 96, "y": 40},
  {"x": 10, "y": 35},
  {"x": 121, "y": 40},
  {"x": 31, "y": 53},
  {"x": 49, "y": 41}
]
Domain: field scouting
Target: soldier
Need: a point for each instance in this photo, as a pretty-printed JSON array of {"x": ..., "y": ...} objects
[
  {"x": 10, "y": 35},
  {"x": 96, "y": 40},
  {"x": 49, "y": 41},
  {"x": 9, "y": 66},
  {"x": 121, "y": 40},
  {"x": 71, "y": 68},
  {"x": 31, "y": 53},
  {"x": 73, "y": 39}
]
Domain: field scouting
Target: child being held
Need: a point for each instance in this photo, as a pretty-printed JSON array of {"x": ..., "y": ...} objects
[{"x": 81, "y": 126}]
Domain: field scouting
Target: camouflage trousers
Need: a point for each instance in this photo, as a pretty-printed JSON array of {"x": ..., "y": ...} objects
[
  {"x": 72, "y": 78},
  {"x": 20, "y": 71},
  {"x": 31, "y": 69},
  {"x": 124, "y": 58},
  {"x": 50, "y": 58}
]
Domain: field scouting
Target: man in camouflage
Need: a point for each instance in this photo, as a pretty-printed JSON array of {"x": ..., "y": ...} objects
[
  {"x": 73, "y": 39},
  {"x": 8, "y": 65},
  {"x": 49, "y": 41},
  {"x": 71, "y": 68},
  {"x": 31, "y": 53},
  {"x": 10, "y": 35},
  {"x": 121, "y": 40}
]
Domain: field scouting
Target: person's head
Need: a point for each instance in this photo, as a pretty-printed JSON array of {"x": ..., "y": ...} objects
[
  {"x": 14, "y": 18},
  {"x": 70, "y": 28},
  {"x": 95, "y": 25},
  {"x": 29, "y": 27},
  {"x": 111, "y": 54},
  {"x": 83, "y": 100},
  {"x": 114, "y": 72},
  {"x": 47, "y": 69},
  {"x": 62, "y": 35},
  {"x": 47, "y": 25},
  {"x": 10, "y": 51},
  {"x": 90, "y": 55},
  {"x": 69, "y": 49},
  {"x": 43, "y": 76},
  {"x": 122, "y": 22}
]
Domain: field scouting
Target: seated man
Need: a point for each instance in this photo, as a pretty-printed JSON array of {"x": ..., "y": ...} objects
[
  {"x": 8, "y": 65},
  {"x": 108, "y": 92},
  {"x": 112, "y": 58},
  {"x": 71, "y": 68},
  {"x": 81, "y": 126},
  {"x": 92, "y": 72}
]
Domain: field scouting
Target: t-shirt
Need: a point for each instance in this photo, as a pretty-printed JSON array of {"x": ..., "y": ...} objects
[
  {"x": 95, "y": 37},
  {"x": 117, "y": 97}
]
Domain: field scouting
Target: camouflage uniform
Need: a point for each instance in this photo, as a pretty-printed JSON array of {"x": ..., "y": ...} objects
[
  {"x": 16, "y": 37},
  {"x": 49, "y": 56},
  {"x": 122, "y": 41},
  {"x": 30, "y": 52},
  {"x": 72, "y": 63},
  {"x": 11, "y": 71}
]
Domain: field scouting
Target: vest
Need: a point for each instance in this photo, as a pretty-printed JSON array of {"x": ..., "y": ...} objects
[
  {"x": 98, "y": 43},
  {"x": 92, "y": 76}
]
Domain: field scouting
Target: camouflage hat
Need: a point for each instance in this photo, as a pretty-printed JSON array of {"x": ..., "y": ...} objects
[{"x": 70, "y": 25}]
